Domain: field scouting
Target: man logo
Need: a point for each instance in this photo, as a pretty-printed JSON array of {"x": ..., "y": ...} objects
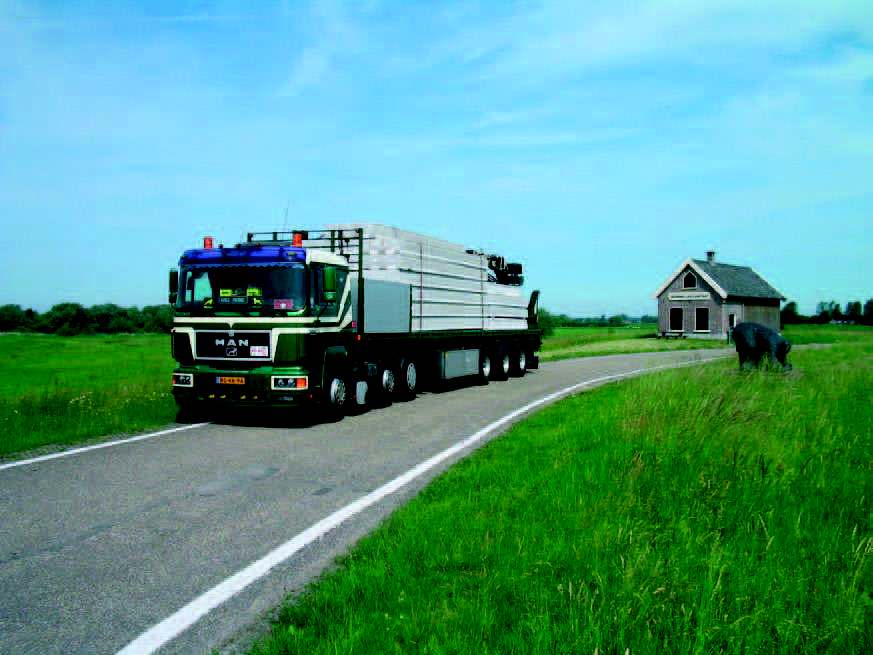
[
  {"x": 231, "y": 342},
  {"x": 230, "y": 352}
]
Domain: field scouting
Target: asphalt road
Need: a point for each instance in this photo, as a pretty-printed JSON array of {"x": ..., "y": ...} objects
[{"x": 97, "y": 547}]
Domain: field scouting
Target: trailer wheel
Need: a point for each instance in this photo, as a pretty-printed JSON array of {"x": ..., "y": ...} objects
[
  {"x": 407, "y": 382},
  {"x": 519, "y": 363},
  {"x": 336, "y": 396},
  {"x": 484, "y": 367},
  {"x": 500, "y": 371}
]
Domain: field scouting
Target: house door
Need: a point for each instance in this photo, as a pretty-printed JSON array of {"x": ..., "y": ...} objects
[
  {"x": 732, "y": 321},
  {"x": 675, "y": 319}
]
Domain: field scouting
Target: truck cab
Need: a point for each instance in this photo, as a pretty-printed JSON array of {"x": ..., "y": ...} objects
[{"x": 243, "y": 316}]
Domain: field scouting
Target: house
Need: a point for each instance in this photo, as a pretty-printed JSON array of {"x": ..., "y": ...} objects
[{"x": 704, "y": 298}]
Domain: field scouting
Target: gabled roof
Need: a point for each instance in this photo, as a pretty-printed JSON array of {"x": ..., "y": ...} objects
[{"x": 727, "y": 280}]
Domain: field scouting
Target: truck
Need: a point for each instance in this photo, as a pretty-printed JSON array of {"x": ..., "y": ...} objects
[{"x": 343, "y": 317}]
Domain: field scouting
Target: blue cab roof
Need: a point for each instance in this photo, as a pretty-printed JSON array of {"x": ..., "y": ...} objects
[{"x": 242, "y": 256}]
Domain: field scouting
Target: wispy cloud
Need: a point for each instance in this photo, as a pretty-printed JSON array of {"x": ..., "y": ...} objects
[{"x": 331, "y": 34}]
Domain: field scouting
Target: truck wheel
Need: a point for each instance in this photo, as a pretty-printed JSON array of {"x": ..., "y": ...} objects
[
  {"x": 502, "y": 364},
  {"x": 189, "y": 412},
  {"x": 383, "y": 387},
  {"x": 336, "y": 398},
  {"x": 407, "y": 381},
  {"x": 484, "y": 367},
  {"x": 519, "y": 363}
]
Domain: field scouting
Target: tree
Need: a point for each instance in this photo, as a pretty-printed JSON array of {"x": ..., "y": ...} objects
[
  {"x": 867, "y": 316},
  {"x": 159, "y": 318},
  {"x": 12, "y": 317},
  {"x": 789, "y": 314},
  {"x": 66, "y": 318},
  {"x": 853, "y": 311},
  {"x": 547, "y": 321}
]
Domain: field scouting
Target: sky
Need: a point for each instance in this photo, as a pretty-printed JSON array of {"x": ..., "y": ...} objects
[{"x": 599, "y": 143}]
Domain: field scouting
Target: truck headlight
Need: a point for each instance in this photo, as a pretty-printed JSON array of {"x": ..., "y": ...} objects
[
  {"x": 183, "y": 380},
  {"x": 283, "y": 382}
]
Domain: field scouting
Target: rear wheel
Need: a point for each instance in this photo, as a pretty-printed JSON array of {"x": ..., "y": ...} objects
[
  {"x": 484, "y": 367},
  {"x": 519, "y": 363},
  {"x": 502, "y": 364},
  {"x": 406, "y": 383}
]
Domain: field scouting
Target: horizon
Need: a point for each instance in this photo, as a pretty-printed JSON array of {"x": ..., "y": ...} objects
[{"x": 600, "y": 146}]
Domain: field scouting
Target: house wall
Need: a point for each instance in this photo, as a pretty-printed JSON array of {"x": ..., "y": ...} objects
[
  {"x": 765, "y": 313},
  {"x": 717, "y": 319}
]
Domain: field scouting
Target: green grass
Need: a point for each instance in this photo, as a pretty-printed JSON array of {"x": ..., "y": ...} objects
[
  {"x": 59, "y": 390},
  {"x": 571, "y": 342},
  {"x": 694, "y": 511}
]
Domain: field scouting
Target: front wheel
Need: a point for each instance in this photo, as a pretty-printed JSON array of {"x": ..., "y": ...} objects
[
  {"x": 189, "y": 412},
  {"x": 336, "y": 396},
  {"x": 406, "y": 383}
]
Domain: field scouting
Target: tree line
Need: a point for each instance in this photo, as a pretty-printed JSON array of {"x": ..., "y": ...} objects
[
  {"x": 549, "y": 321},
  {"x": 829, "y": 312},
  {"x": 70, "y": 318}
]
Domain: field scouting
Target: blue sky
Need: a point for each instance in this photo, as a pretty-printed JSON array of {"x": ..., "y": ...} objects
[{"x": 601, "y": 143}]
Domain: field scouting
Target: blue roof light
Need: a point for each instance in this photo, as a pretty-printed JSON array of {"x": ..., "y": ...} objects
[{"x": 243, "y": 256}]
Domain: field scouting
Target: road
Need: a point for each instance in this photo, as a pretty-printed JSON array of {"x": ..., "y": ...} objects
[{"x": 98, "y": 547}]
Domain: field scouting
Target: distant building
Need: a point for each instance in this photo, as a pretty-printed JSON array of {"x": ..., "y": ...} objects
[{"x": 705, "y": 298}]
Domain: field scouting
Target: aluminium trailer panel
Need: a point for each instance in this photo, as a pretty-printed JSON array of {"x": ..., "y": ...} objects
[{"x": 449, "y": 284}]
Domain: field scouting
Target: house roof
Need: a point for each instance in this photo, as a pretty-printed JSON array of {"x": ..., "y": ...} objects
[{"x": 728, "y": 280}]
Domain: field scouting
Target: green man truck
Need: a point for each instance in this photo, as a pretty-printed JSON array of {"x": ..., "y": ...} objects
[{"x": 345, "y": 316}]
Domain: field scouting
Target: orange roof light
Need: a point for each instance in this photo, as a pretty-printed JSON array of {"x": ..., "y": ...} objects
[
  {"x": 208, "y": 243},
  {"x": 297, "y": 240}
]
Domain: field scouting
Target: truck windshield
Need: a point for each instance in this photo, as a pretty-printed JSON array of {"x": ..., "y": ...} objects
[{"x": 265, "y": 289}]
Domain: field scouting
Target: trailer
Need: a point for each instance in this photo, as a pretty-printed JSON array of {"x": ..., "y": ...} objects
[{"x": 345, "y": 316}]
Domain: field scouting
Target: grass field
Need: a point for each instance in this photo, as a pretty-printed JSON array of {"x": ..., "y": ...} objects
[
  {"x": 62, "y": 390},
  {"x": 58, "y": 390},
  {"x": 567, "y": 343},
  {"x": 695, "y": 511}
]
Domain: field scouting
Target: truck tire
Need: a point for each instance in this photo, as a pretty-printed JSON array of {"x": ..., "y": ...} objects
[
  {"x": 190, "y": 412},
  {"x": 501, "y": 363},
  {"x": 519, "y": 363},
  {"x": 336, "y": 396},
  {"x": 406, "y": 383},
  {"x": 385, "y": 386},
  {"x": 484, "y": 367}
]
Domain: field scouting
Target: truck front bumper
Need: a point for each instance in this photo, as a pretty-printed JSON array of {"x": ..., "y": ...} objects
[{"x": 253, "y": 387}]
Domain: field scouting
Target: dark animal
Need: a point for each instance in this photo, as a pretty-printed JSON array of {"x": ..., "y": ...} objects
[{"x": 756, "y": 342}]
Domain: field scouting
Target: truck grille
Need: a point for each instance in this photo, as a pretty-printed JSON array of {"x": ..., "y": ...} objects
[{"x": 233, "y": 345}]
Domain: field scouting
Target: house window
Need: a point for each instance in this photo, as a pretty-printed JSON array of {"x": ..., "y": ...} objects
[
  {"x": 689, "y": 281},
  {"x": 701, "y": 319},
  {"x": 675, "y": 319}
]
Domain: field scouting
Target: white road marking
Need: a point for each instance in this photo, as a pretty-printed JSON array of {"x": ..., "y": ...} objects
[
  {"x": 171, "y": 627},
  {"x": 97, "y": 446}
]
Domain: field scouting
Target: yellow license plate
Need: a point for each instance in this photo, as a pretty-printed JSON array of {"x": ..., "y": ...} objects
[{"x": 230, "y": 380}]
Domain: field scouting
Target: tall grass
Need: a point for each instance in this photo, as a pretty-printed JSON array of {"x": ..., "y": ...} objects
[{"x": 694, "y": 511}]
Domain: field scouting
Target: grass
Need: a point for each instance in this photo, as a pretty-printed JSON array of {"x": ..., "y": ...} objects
[
  {"x": 60, "y": 390},
  {"x": 571, "y": 342},
  {"x": 694, "y": 511},
  {"x": 63, "y": 390}
]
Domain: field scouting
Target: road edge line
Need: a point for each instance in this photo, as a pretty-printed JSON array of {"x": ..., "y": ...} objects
[
  {"x": 97, "y": 446},
  {"x": 174, "y": 625}
]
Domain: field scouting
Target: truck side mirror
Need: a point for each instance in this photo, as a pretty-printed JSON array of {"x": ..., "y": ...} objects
[
  {"x": 330, "y": 283},
  {"x": 174, "y": 286}
]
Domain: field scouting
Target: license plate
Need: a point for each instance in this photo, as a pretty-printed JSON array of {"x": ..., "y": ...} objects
[{"x": 230, "y": 380}]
